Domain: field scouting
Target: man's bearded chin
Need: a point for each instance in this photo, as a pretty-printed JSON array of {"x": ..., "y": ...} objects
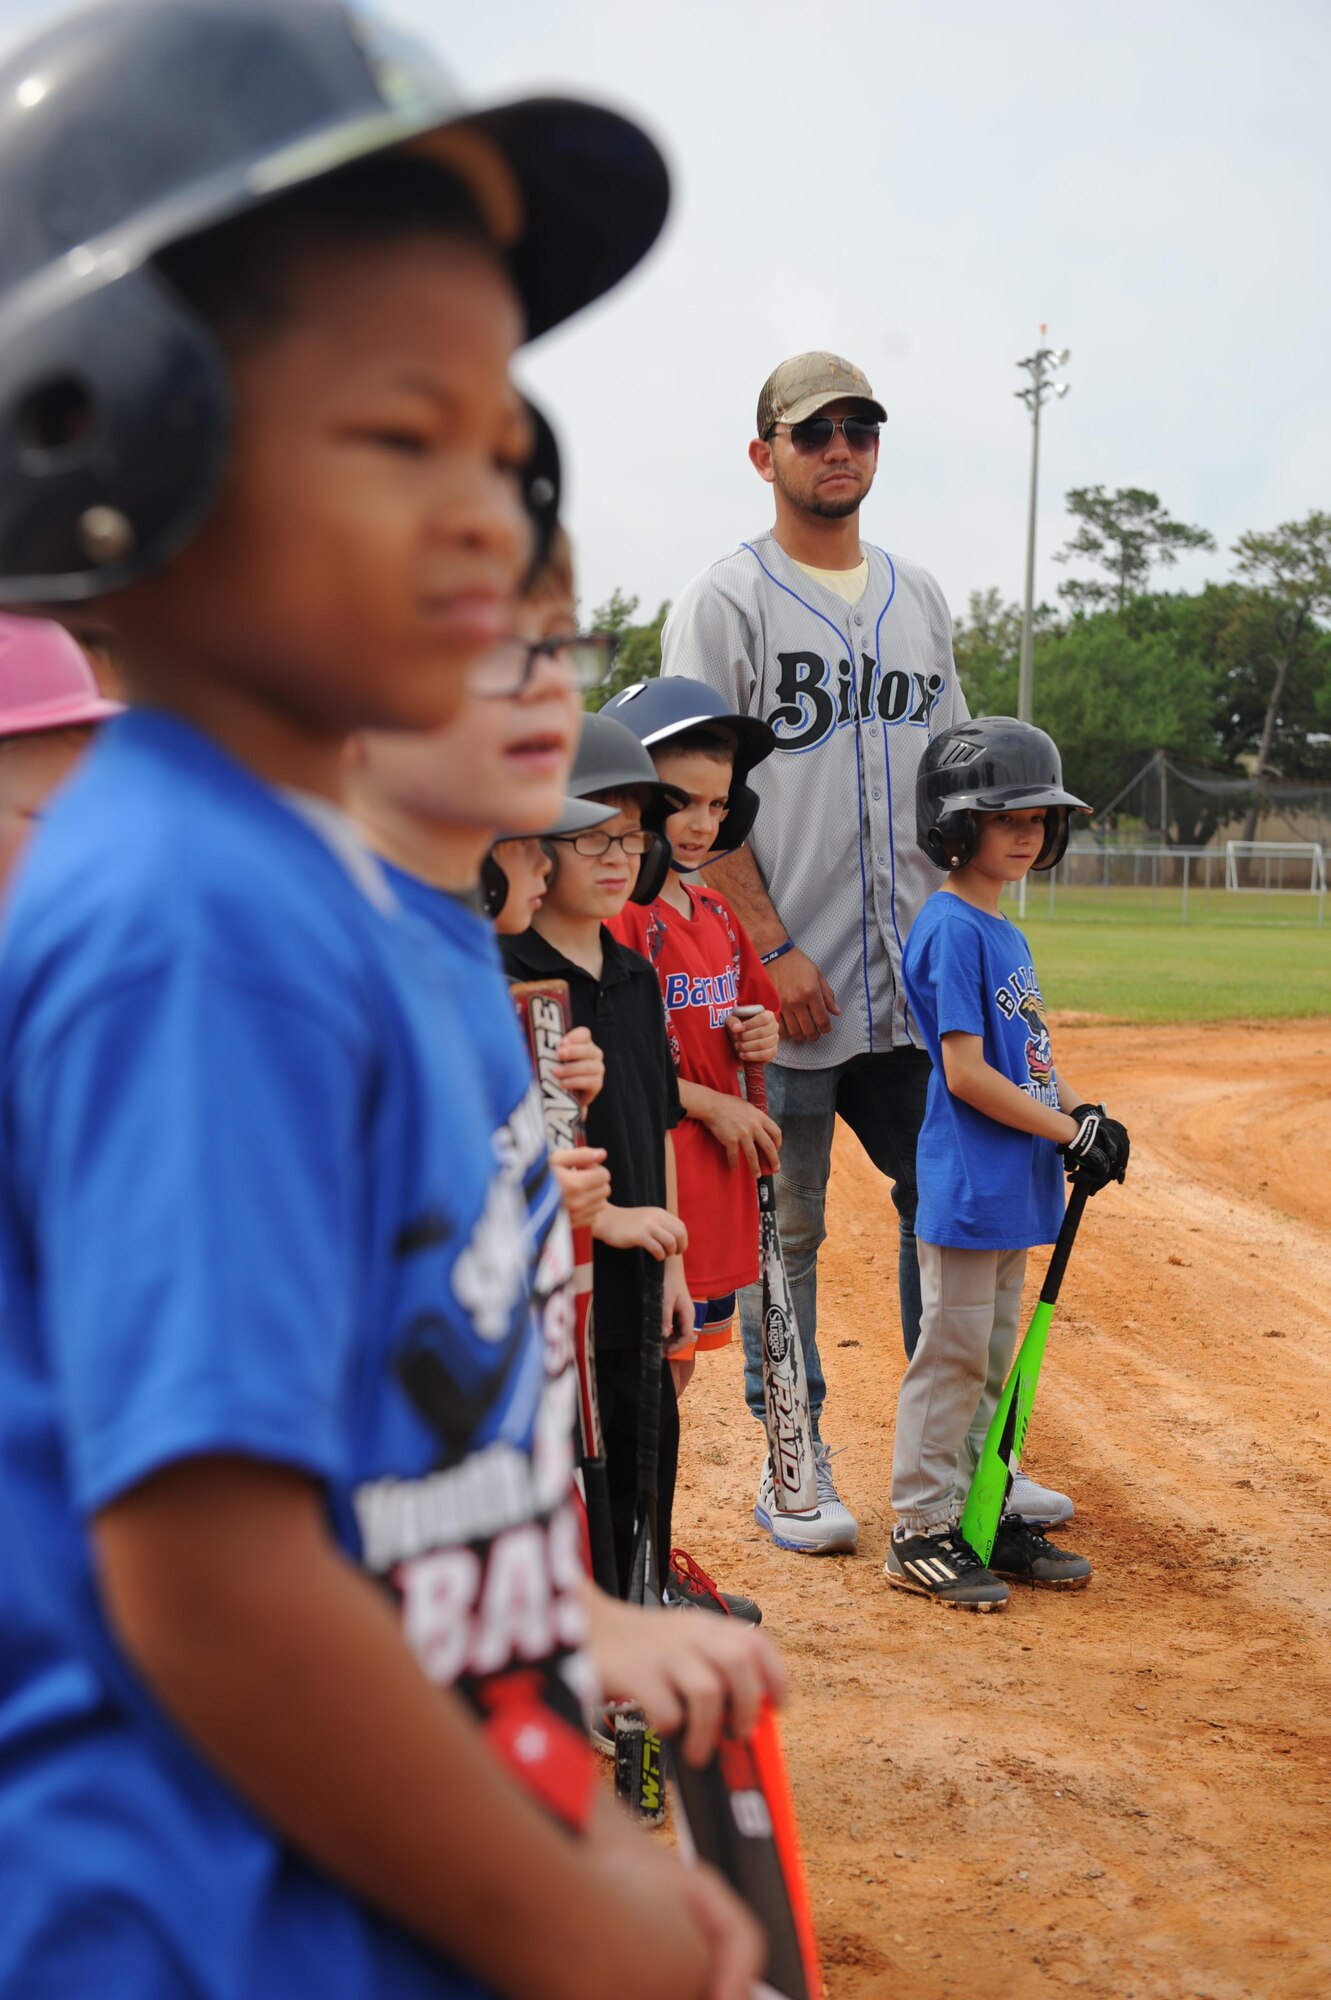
[
  {"x": 825, "y": 510},
  {"x": 832, "y": 510}
]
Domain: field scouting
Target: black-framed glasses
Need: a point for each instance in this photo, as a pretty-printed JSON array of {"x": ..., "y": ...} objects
[
  {"x": 507, "y": 667},
  {"x": 637, "y": 841},
  {"x": 816, "y": 433}
]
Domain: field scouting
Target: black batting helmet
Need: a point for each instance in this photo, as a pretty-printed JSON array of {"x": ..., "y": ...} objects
[
  {"x": 660, "y": 709},
  {"x": 611, "y": 759},
  {"x": 125, "y": 131},
  {"x": 990, "y": 765}
]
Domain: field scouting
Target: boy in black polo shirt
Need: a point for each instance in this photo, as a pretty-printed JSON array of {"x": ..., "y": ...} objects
[{"x": 614, "y": 992}]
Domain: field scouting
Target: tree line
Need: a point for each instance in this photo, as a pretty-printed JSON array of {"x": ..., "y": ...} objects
[{"x": 1235, "y": 677}]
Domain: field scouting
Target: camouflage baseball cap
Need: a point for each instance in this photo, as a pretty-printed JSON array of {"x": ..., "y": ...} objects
[{"x": 806, "y": 384}]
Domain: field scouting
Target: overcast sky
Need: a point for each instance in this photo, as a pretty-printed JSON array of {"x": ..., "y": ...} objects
[{"x": 917, "y": 184}]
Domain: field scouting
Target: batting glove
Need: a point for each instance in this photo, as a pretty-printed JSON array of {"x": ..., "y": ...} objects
[{"x": 1098, "y": 1151}]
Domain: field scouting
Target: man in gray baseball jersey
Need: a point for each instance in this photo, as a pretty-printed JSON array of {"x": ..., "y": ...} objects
[{"x": 847, "y": 652}]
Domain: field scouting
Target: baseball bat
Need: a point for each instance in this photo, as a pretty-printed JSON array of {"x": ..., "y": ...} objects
[
  {"x": 738, "y": 1813},
  {"x": 785, "y": 1384},
  {"x": 737, "y": 1809},
  {"x": 1007, "y": 1432},
  {"x": 639, "y": 1762},
  {"x": 545, "y": 1015}
]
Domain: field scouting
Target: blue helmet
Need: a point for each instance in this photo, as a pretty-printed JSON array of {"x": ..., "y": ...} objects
[{"x": 660, "y": 709}]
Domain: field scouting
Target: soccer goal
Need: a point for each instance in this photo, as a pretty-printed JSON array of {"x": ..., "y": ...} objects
[{"x": 1293, "y": 865}]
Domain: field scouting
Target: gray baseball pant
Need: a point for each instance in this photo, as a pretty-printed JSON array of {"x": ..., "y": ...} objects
[{"x": 968, "y": 1330}]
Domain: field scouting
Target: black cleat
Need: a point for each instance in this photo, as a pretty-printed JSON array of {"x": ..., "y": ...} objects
[
  {"x": 1022, "y": 1553},
  {"x": 942, "y": 1566},
  {"x": 689, "y": 1587}
]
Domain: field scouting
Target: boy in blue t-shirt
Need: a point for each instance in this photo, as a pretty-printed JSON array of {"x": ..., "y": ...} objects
[
  {"x": 292, "y": 1619},
  {"x": 991, "y": 807}
]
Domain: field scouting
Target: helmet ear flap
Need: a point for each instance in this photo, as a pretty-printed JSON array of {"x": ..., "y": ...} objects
[
  {"x": 950, "y": 841},
  {"x": 541, "y": 483},
  {"x": 1057, "y": 822},
  {"x": 653, "y": 869},
  {"x": 88, "y": 505},
  {"x": 741, "y": 812},
  {"x": 493, "y": 885}
]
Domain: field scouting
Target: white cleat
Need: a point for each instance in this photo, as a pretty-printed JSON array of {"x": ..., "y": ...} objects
[
  {"x": 825, "y": 1530},
  {"x": 1037, "y": 1503}
]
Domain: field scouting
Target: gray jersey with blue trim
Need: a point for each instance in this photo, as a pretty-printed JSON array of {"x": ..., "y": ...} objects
[{"x": 854, "y": 693}]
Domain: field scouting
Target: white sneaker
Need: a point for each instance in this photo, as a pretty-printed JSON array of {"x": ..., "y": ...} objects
[
  {"x": 827, "y": 1529},
  {"x": 1037, "y": 1503}
]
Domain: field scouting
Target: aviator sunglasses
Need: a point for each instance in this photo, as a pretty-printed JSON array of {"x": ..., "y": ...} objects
[{"x": 816, "y": 433}]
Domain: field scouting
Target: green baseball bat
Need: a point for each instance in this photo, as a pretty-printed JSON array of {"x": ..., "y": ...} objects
[{"x": 1007, "y": 1432}]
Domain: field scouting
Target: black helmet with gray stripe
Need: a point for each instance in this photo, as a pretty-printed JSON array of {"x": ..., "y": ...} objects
[
  {"x": 991, "y": 764},
  {"x": 611, "y": 759}
]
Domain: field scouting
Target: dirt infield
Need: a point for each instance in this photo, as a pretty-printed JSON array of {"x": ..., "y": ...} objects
[{"x": 1123, "y": 1792}]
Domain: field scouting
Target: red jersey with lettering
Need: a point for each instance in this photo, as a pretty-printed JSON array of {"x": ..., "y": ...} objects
[{"x": 707, "y": 966}]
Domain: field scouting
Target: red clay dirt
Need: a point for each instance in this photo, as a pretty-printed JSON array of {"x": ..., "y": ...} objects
[{"x": 1122, "y": 1793}]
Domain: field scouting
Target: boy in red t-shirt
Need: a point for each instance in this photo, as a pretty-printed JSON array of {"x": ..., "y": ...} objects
[{"x": 707, "y": 968}]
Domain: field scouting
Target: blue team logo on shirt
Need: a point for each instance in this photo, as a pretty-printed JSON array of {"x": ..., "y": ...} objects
[{"x": 717, "y": 995}]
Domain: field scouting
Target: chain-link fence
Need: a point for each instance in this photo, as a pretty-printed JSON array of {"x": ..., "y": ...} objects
[{"x": 1181, "y": 885}]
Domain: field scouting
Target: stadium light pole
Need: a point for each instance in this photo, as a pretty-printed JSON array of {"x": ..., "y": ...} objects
[{"x": 1040, "y": 366}]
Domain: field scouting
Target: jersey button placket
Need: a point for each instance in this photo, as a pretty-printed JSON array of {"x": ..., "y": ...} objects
[{"x": 882, "y": 875}]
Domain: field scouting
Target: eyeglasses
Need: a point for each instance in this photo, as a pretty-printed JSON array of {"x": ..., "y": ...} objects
[
  {"x": 816, "y": 433},
  {"x": 594, "y": 843},
  {"x": 507, "y": 667},
  {"x": 531, "y": 845}
]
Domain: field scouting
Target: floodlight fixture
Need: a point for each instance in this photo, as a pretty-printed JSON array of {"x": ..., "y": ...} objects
[{"x": 1038, "y": 366}]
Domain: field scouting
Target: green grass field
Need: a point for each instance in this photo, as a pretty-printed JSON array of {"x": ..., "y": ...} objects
[{"x": 1127, "y": 956}]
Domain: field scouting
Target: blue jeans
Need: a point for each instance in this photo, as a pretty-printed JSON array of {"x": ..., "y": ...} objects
[{"x": 881, "y": 1098}]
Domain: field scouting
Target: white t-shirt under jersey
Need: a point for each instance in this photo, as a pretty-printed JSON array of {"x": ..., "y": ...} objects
[{"x": 847, "y": 583}]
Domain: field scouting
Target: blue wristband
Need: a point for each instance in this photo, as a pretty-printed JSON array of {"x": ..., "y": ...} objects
[{"x": 770, "y": 957}]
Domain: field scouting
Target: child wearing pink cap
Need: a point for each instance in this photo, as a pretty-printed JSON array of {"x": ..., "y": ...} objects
[{"x": 49, "y": 707}]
